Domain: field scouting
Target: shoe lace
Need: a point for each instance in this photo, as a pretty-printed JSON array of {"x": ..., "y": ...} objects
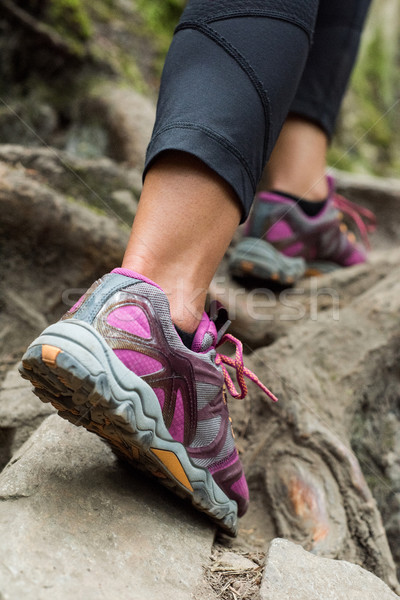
[
  {"x": 241, "y": 370},
  {"x": 364, "y": 219}
]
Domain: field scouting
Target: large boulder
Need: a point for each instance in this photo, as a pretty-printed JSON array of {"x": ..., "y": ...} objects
[
  {"x": 55, "y": 240},
  {"x": 75, "y": 523},
  {"x": 294, "y": 574},
  {"x": 126, "y": 118},
  {"x": 21, "y": 412}
]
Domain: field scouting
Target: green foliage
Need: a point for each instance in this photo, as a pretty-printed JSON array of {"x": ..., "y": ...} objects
[
  {"x": 160, "y": 18},
  {"x": 102, "y": 11},
  {"x": 367, "y": 138},
  {"x": 69, "y": 18},
  {"x": 373, "y": 85}
]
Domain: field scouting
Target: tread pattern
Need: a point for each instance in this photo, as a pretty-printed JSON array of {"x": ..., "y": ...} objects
[{"x": 258, "y": 258}]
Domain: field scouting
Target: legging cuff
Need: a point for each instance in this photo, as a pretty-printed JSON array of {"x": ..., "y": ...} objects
[{"x": 214, "y": 150}]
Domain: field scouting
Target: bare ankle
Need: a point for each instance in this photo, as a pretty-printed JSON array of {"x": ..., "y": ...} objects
[
  {"x": 186, "y": 298},
  {"x": 311, "y": 189}
]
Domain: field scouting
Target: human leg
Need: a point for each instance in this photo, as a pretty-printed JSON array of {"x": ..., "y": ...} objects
[
  {"x": 185, "y": 221},
  {"x": 298, "y": 162},
  {"x": 115, "y": 363},
  {"x": 300, "y": 216},
  {"x": 217, "y": 106}
]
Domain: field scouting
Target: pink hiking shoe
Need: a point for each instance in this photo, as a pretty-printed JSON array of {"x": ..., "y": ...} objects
[
  {"x": 116, "y": 365},
  {"x": 282, "y": 242}
]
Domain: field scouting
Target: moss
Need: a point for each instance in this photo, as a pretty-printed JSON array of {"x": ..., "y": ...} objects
[
  {"x": 340, "y": 159},
  {"x": 70, "y": 19},
  {"x": 369, "y": 126},
  {"x": 102, "y": 11},
  {"x": 160, "y": 18}
]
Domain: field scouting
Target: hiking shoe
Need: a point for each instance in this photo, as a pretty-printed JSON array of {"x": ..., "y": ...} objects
[
  {"x": 116, "y": 365},
  {"x": 288, "y": 243}
]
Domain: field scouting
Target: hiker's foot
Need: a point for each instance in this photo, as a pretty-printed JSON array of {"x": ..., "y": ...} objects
[
  {"x": 282, "y": 241},
  {"x": 116, "y": 365}
]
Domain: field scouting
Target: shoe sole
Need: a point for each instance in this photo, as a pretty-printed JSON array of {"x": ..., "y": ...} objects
[
  {"x": 73, "y": 368},
  {"x": 258, "y": 258},
  {"x": 319, "y": 267}
]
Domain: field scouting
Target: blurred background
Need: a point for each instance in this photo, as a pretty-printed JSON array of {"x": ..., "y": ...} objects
[{"x": 62, "y": 61}]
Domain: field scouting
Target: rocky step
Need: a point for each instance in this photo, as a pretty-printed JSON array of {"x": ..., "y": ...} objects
[
  {"x": 74, "y": 522},
  {"x": 292, "y": 573},
  {"x": 21, "y": 412}
]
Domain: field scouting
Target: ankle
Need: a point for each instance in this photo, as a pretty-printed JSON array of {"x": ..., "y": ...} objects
[
  {"x": 185, "y": 293},
  {"x": 310, "y": 189}
]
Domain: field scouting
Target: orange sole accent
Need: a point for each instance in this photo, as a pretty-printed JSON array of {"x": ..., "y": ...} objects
[
  {"x": 312, "y": 273},
  {"x": 171, "y": 462},
  {"x": 49, "y": 354},
  {"x": 246, "y": 266}
]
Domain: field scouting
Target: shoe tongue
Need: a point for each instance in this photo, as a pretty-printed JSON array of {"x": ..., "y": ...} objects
[
  {"x": 205, "y": 336},
  {"x": 211, "y": 329}
]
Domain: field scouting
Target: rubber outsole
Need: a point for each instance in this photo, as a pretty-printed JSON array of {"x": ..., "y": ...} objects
[
  {"x": 74, "y": 369},
  {"x": 257, "y": 258},
  {"x": 319, "y": 267}
]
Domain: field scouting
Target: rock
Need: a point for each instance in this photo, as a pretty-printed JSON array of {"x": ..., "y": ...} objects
[
  {"x": 21, "y": 412},
  {"x": 375, "y": 434},
  {"x": 291, "y": 573},
  {"x": 334, "y": 367},
  {"x": 75, "y": 523},
  {"x": 126, "y": 116},
  {"x": 261, "y": 315},
  {"x": 98, "y": 183},
  {"x": 27, "y": 122},
  {"x": 54, "y": 247},
  {"x": 125, "y": 201}
]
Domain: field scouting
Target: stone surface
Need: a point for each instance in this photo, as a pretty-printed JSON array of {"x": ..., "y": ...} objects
[
  {"x": 291, "y": 573},
  {"x": 101, "y": 183},
  {"x": 54, "y": 247},
  {"x": 75, "y": 523},
  {"x": 126, "y": 116},
  {"x": 337, "y": 379},
  {"x": 21, "y": 412}
]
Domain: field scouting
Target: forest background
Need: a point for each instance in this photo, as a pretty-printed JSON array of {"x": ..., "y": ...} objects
[{"x": 56, "y": 52}]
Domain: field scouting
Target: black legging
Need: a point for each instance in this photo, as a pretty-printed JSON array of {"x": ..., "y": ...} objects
[{"x": 236, "y": 68}]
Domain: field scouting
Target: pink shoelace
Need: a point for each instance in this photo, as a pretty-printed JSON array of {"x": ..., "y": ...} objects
[
  {"x": 241, "y": 370},
  {"x": 364, "y": 219}
]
